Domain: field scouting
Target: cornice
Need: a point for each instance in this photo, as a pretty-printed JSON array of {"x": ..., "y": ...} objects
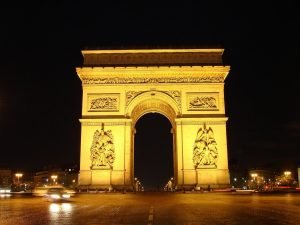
[
  {"x": 153, "y": 57},
  {"x": 201, "y": 121},
  {"x": 134, "y": 51}
]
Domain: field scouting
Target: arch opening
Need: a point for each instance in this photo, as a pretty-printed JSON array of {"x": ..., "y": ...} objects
[{"x": 153, "y": 151}]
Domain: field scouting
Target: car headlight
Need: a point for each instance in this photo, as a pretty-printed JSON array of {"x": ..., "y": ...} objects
[
  {"x": 55, "y": 196},
  {"x": 66, "y": 196}
]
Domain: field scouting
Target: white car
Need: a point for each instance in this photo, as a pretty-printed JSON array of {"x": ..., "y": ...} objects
[{"x": 57, "y": 194}]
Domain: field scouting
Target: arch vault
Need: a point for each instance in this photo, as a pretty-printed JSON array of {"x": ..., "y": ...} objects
[{"x": 185, "y": 85}]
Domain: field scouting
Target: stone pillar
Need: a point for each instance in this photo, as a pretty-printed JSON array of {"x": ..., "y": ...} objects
[{"x": 117, "y": 142}]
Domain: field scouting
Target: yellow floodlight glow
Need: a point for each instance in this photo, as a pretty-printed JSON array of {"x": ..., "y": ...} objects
[
  {"x": 287, "y": 173},
  {"x": 254, "y": 175},
  {"x": 19, "y": 175}
]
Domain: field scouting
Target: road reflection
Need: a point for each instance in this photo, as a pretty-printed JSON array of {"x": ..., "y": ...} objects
[
  {"x": 5, "y": 195},
  {"x": 60, "y": 213}
]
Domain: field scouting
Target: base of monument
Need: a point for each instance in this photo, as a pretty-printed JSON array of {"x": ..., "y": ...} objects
[
  {"x": 212, "y": 178},
  {"x": 211, "y": 186},
  {"x": 123, "y": 188},
  {"x": 106, "y": 188},
  {"x": 185, "y": 187},
  {"x": 94, "y": 188}
]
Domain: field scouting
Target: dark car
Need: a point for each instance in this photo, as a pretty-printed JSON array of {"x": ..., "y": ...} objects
[{"x": 57, "y": 194}]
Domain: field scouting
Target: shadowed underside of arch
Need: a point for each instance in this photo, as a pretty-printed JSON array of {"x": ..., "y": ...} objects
[{"x": 154, "y": 106}]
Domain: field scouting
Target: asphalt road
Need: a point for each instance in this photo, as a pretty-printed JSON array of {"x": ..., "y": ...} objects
[{"x": 153, "y": 208}]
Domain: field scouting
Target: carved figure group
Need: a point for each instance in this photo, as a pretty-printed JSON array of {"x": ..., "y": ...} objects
[
  {"x": 104, "y": 103},
  {"x": 203, "y": 102},
  {"x": 205, "y": 148},
  {"x": 102, "y": 150}
]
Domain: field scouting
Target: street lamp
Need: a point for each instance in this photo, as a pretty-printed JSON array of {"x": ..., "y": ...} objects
[
  {"x": 18, "y": 175},
  {"x": 54, "y": 177}
]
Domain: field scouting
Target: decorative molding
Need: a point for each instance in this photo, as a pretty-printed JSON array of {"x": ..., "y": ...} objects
[
  {"x": 103, "y": 102},
  {"x": 202, "y": 101},
  {"x": 153, "y": 105},
  {"x": 176, "y": 95},
  {"x": 107, "y": 123},
  {"x": 130, "y": 95},
  {"x": 152, "y": 80},
  {"x": 197, "y": 123},
  {"x": 151, "y": 74},
  {"x": 102, "y": 150},
  {"x": 205, "y": 153}
]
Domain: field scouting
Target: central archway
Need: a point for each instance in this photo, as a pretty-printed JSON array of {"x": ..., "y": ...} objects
[
  {"x": 154, "y": 102},
  {"x": 153, "y": 152}
]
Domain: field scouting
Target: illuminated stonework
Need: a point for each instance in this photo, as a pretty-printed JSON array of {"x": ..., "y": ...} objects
[
  {"x": 184, "y": 85},
  {"x": 102, "y": 150},
  {"x": 201, "y": 101},
  {"x": 103, "y": 102},
  {"x": 205, "y": 149}
]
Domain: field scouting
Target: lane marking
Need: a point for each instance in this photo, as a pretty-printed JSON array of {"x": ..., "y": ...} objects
[{"x": 151, "y": 216}]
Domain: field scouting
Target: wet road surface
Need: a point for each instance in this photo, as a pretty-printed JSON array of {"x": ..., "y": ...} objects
[{"x": 153, "y": 208}]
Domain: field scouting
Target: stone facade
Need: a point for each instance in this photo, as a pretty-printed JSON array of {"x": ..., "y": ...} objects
[{"x": 184, "y": 85}]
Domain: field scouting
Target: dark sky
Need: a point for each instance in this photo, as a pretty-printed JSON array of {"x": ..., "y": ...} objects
[{"x": 40, "y": 93}]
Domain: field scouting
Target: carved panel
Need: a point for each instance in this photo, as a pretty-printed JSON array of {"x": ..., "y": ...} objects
[
  {"x": 103, "y": 102},
  {"x": 202, "y": 101},
  {"x": 102, "y": 150},
  {"x": 205, "y": 152}
]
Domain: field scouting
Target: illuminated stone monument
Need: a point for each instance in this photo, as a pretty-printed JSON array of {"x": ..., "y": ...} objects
[{"x": 184, "y": 85}]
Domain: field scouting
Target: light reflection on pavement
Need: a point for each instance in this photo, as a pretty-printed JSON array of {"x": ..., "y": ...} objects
[
  {"x": 153, "y": 208},
  {"x": 60, "y": 213}
]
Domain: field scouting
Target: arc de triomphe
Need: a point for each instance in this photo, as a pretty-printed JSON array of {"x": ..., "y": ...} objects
[{"x": 184, "y": 85}]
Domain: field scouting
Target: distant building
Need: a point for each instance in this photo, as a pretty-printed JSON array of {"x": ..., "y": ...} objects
[
  {"x": 66, "y": 177},
  {"x": 5, "y": 178}
]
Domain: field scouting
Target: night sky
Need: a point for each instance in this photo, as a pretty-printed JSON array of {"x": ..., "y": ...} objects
[{"x": 40, "y": 93}]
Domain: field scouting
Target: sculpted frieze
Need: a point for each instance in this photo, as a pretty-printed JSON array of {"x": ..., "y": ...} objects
[
  {"x": 103, "y": 102},
  {"x": 102, "y": 150},
  {"x": 202, "y": 101},
  {"x": 140, "y": 80},
  {"x": 205, "y": 152}
]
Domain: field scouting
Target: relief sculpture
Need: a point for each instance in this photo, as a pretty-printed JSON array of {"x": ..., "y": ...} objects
[
  {"x": 141, "y": 80},
  {"x": 104, "y": 103},
  {"x": 202, "y": 103},
  {"x": 130, "y": 95},
  {"x": 176, "y": 95},
  {"x": 205, "y": 149},
  {"x": 102, "y": 150}
]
